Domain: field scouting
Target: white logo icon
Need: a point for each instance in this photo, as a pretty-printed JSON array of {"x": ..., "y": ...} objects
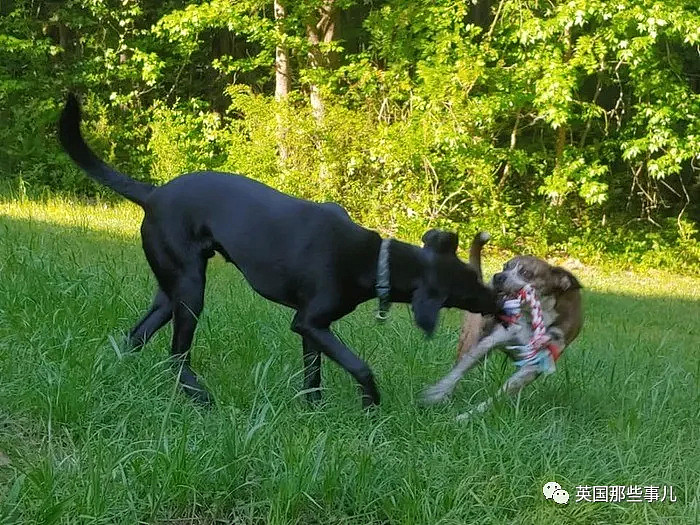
[
  {"x": 549, "y": 489},
  {"x": 561, "y": 496},
  {"x": 553, "y": 490}
]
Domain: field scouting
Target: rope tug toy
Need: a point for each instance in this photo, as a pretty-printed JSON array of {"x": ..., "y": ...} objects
[{"x": 540, "y": 350}]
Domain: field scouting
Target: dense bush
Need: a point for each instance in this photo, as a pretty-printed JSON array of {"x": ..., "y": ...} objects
[{"x": 569, "y": 127}]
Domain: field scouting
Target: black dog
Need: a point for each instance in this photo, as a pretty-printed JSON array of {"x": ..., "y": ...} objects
[{"x": 308, "y": 256}]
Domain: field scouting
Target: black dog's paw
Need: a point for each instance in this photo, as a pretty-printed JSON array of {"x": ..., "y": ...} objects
[
  {"x": 370, "y": 402},
  {"x": 130, "y": 345},
  {"x": 203, "y": 398},
  {"x": 190, "y": 385},
  {"x": 200, "y": 396},
  {"x": 313, "y": 397}
]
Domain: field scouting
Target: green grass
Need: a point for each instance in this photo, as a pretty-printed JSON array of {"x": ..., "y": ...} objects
[{"x": 88, "y": 435}]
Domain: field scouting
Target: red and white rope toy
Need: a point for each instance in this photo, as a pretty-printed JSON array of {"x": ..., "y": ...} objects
[{"x": 539, "y": 338}]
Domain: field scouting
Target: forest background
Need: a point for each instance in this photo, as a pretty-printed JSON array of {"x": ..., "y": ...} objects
[{"x": 563, "y": 128}]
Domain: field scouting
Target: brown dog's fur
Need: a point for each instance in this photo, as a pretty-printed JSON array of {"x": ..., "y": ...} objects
[
  {"x": 472, "y": 325},
  {"x": 567, "y": 310},
  {"x": 560, "y": 297}
]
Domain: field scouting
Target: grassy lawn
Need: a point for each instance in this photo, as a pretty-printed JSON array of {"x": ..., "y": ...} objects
[{"x": 88, "y": 435}]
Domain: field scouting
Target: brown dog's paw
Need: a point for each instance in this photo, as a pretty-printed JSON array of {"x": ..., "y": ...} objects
[{"x": 435, "y": 394}]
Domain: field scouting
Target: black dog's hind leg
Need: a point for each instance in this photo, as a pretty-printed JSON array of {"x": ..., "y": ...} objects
[
  {"x": 158, "y": 316},
  {"x": 183, "y": 283},
  {"x": 187, "y": 298},
  {"x": 181, "y": 275}
]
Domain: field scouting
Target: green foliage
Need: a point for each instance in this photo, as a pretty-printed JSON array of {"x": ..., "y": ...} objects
[
  {"x": 182, "y": 139},
  {"x": 555, "y": 126}
]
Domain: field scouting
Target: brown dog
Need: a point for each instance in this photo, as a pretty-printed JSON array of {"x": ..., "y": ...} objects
[{"x": 559, "y": 293}]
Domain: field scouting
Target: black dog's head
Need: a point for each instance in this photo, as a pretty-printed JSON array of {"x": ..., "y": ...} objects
[{"x": 447, "y": 282}]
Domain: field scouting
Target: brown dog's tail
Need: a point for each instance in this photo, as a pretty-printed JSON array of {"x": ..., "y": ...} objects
[
  {"x": 473, "y": 323},
  {"x": 480, "y": 239},
  {"x": 74, "y": 144}
]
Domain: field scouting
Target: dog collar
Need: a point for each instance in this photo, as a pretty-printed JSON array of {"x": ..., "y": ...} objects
[{"x": 383, "y": 285}]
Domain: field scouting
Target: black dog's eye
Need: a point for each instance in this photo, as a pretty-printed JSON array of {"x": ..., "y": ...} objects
[{"x": 526, "y": 273}]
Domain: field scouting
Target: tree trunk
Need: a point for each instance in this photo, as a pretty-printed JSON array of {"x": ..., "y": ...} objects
[
  {"x": 560, "y": 143},
  {"x": 63, "y": 36},
  {"x": 513, "y": 142},
  {"x": 320, "y": 30},
  {"x": 283, "y": 78}
]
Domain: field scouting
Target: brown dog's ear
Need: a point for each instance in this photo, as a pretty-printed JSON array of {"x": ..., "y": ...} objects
[
  {"x": 565, "y": 280},
  {"x": 441, "y": 241}
]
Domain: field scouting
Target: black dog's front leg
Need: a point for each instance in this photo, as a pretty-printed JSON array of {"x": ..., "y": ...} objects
[
  {"x": 324, "y": 339},
  {"x": 312, "y": 371},
  {"x": 342, "y": 355}
]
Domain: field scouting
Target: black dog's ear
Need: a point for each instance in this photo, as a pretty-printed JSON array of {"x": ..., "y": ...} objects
[
  {"x": 565, "y": 280},
  {"x": 426, "y": 310},
  {"x": 441, "y": 241}
]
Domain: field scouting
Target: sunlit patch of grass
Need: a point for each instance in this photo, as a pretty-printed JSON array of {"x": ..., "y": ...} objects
[
  {"x": 88, "y": 434},
  {"x": 122, "y": 219}
]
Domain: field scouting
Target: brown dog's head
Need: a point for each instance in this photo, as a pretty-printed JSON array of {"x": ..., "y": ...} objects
[
  {"x": 545, "y": 278},
  {"x": 447, "y": 282}
]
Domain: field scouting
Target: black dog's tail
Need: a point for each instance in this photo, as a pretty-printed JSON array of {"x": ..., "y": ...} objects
[
  {"x": 74, "y": 144},
  {"x": 480, "y": 239}
]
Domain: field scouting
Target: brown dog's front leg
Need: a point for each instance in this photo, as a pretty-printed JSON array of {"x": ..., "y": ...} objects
[
  {"x": 446, "y": 385},
  {"x": 470, "y": 332},
  {"x": 513, "y": 385}
]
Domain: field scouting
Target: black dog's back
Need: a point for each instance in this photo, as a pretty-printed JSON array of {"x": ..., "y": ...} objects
[
  {"x": 270, "y": 236},
  {"x": 254, "y": 227}
]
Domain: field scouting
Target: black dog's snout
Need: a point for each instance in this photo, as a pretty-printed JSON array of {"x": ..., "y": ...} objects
[{"x": 499, "y": 278}]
